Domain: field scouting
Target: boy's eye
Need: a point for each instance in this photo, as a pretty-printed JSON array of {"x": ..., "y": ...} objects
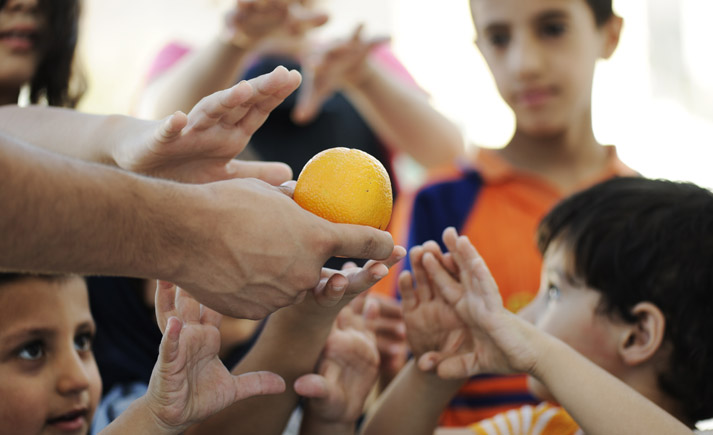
[
  {"x": 83, "y": 342},
  {"x": 553, "y": 293},
  {"x": 553, "y": 29},
  {"x": 32, "y": 351}
]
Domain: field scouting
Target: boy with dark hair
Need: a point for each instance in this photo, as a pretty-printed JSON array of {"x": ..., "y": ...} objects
[
  {"x": 623, "y": 322},
  {"x": 542, "y": 55}
]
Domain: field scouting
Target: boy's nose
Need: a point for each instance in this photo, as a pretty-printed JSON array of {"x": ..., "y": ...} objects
[
  {"x": 72, "y": 374},
  {"x": 525, "y": 57}
]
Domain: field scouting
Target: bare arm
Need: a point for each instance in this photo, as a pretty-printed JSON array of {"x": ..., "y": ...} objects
[
  {"x": 219, "y": 64},
  {"x": 411, "y": 404},
  {"x": 241, "y": 246},
  {"x": 399, "y": 113},
  {"x": 198, "y": 147}
]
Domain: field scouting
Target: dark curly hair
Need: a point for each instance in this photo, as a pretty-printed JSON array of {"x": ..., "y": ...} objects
[
  {"x": 602, "y": 10},
  {"x": 58, "y": 79},
  {"x": 637, "y": 239}
]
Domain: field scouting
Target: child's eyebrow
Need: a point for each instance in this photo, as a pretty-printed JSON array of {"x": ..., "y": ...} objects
[
  {"x": 551, "y": 14},
  {"x": 23, "y": 334}
]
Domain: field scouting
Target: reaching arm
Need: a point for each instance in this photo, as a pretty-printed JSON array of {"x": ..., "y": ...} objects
[
  {"x": 504, "y": 342},
  {"x": 400, "y": 114},
  {"x": 290, "y": 345},
  {"x": 198, "y": 147},
  {"x": 220, "y": 63}
]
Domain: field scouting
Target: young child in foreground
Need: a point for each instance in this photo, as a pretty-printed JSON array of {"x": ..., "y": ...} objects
[
  {"x": 620, "y": 334},
  {"x": 49, "y": 382}
]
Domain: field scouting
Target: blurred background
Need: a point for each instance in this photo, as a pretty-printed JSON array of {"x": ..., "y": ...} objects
[{"x": 653, "y": 99}]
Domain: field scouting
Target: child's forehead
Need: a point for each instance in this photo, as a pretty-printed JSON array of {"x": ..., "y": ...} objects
[
  {"x": 485, "y": 11},
  {"x": 43, "y": 303}
]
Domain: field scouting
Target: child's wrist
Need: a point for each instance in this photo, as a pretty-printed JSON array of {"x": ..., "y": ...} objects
[{"x": 361, "y": 78}]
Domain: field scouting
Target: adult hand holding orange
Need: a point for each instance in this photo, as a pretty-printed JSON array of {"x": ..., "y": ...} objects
[{"x": 346, "y": 185}]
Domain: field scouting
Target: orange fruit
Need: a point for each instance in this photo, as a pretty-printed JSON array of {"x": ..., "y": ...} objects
[{"x": 346, "y": 186}]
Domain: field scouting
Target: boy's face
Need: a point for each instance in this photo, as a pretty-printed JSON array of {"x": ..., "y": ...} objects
[
  {"x": 568, "y": 310},
  {"x": 49, "y": 381},
  {"x": 542, "y": 55}
]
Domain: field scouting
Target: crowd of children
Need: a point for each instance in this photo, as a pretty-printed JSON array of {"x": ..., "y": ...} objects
[{"x": 545, "y": 287}]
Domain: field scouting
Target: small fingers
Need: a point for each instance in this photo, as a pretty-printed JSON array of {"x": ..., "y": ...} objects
[
  {"x": 329, "y": 294},
  {"x": 443, "y": 282},
  {"x": 420, "y": 277},
  {"x": 257, "y": 384},
  {"x": 188, "y": 309},
  {"x": 164, "y": 302},
  {"x": 311, "y": 385},
  {"x": 169, "y": 347},
  {"x": 274, "y": 173},
  {"x": 409, "y": 299}
]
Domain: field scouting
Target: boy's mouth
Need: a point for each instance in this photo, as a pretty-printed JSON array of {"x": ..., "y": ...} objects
[
  {"x": 70, "y": 421},
  {"x": 535, "y": 97}
]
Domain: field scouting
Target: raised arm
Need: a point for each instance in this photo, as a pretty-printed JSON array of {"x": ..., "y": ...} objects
[
  {"x": 398, "y": 112},
  {"x": 219, "y": 64}
]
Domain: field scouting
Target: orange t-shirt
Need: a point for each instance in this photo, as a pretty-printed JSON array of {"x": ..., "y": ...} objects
[{"x": 543, "y": 419}]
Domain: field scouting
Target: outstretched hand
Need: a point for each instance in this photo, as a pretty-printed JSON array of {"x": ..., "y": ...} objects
[
  {"x": 433, "y": 327},
  {"x": 189, "y": 382},
  {"x": 496, "y": 340},
  {"x": 345, "y": 374},
  {"x": 202, "y": 146},
  {"x": 329, "y": 69}
]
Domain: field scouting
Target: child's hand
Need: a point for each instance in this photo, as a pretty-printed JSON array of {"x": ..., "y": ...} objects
[
  {"x": 201, "y": 146},
  {"x": 499, "y": 338},
  {"x": 388, "y": 325},
  {"x": 328, "y": 70},
  {"x": 189, "y": 382},
  {"x": 343, "y": 286},
  {"x": 433, "y": 328},
  {"x": 252, "y": 21},
  {"x": 346, "y": 373}
]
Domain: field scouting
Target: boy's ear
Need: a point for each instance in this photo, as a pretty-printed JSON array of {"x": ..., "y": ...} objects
[
  {"x": 641, "y": 340},
  {"x": 612, "y": 32}
]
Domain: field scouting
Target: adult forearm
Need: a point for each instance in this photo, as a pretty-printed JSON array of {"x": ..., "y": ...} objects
[
  {"x": 574, "y": 380},
  {"x": 61, "y": 215},
  {"x": 198, "y": 74},
  {"x": 405, "y": 119}
]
